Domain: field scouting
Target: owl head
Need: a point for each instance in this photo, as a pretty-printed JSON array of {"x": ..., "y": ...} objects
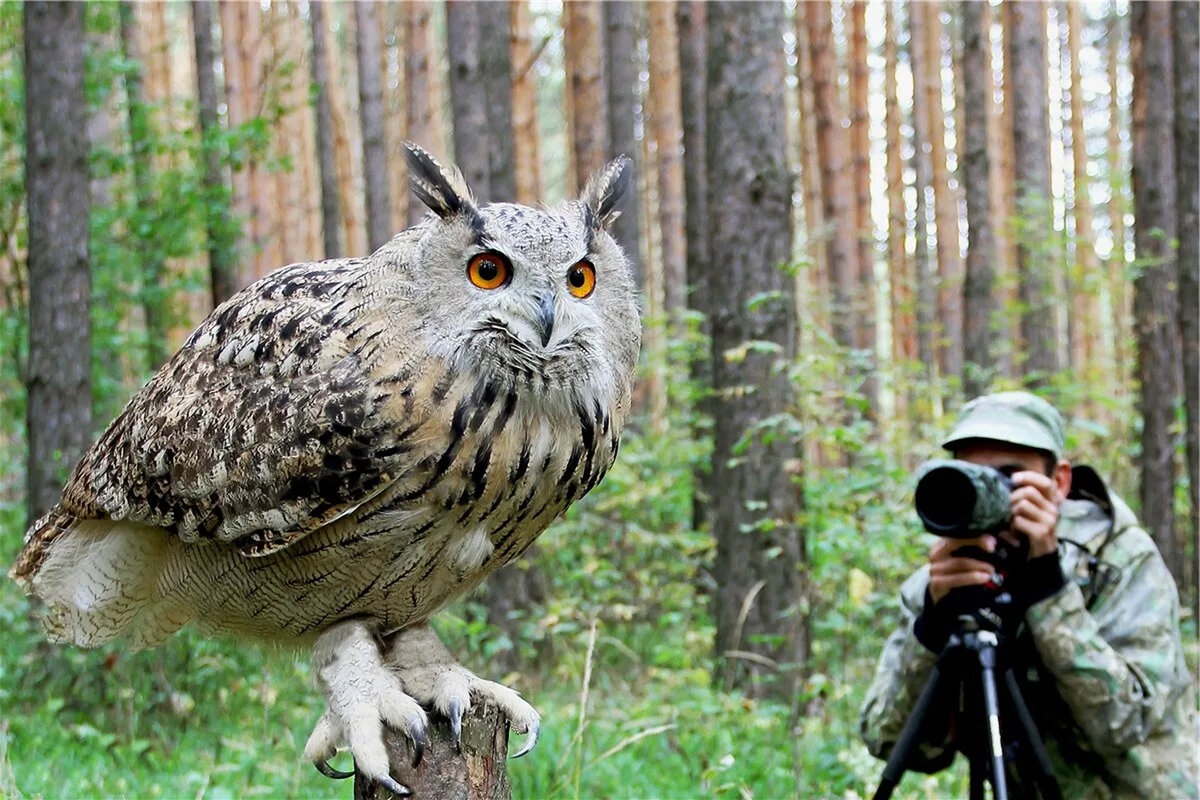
[{"x": 537, "y": 297}]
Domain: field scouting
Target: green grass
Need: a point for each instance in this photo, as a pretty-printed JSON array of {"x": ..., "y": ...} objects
[{"x": 208, "y": 719}]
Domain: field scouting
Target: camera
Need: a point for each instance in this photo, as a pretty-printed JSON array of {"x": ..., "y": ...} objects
[{"x": 960, "y": 499}]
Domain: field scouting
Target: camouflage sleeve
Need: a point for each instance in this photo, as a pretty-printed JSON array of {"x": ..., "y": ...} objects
[
  {"x": 904, "y": 667},
  {"x": 1120, "y": 665}
]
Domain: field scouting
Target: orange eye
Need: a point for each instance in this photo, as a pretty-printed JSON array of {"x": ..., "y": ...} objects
[
  {"x": 489, "y": 271},
  {"x": 581, "y": 279}
]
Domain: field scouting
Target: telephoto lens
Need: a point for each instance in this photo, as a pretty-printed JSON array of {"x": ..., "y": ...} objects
[{"x": 962, "y": 499}]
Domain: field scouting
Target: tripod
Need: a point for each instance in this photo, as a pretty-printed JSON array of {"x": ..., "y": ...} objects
[{"x": 972, "y": 640}]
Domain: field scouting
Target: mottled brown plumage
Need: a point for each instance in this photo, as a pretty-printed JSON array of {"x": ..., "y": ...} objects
[{"x": 354, "y": 443}]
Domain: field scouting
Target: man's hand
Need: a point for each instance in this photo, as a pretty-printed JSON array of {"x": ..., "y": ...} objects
[
  {"x": 1035, "y": 511},
  {"x": 948, "y": 571}
]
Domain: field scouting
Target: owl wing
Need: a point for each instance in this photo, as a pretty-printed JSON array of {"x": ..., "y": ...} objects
[{"x": 266, "y": 425}]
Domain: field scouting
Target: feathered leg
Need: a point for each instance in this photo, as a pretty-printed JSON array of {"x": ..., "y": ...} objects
[
  {"x": 432, "y": 676},
  {"x": 362, "y": 694}
]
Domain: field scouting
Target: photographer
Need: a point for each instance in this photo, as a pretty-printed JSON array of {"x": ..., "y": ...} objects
[{"x": 1091, "y": 632}]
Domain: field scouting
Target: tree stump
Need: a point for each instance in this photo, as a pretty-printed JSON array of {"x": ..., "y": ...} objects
[{"x": 479, "y": 772}]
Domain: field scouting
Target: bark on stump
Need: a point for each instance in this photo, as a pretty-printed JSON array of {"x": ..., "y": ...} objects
[{"x": 480, "y": 772}]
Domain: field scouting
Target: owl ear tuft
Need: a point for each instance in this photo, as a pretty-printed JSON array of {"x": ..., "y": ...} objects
[
  {"x": 605, "y": 190},
  {"x": 444, "y": 190}
]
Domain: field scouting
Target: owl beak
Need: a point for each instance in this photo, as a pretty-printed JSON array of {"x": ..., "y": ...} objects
[{"x": 544, "y": 317}]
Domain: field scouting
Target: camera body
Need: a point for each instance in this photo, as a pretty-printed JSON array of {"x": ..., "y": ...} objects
[{"x": 960, "y": 499}]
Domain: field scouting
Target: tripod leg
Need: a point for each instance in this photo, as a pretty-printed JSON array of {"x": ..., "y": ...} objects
[
  {"x": 1047, "y": 785},
  {"x": 908, "y": 736},
  {"x": 987, "y": 666}
]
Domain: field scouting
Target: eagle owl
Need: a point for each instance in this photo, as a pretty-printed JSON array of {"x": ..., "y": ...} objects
[{"x": 345, "y": 446}]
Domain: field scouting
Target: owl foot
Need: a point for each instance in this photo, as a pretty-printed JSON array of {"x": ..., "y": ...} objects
[
  {"x": 363, "y": 695},
  {"x": 432, "y": 677}
]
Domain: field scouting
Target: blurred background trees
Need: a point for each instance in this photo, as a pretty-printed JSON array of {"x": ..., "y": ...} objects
[{"x": 849, "y": 217}]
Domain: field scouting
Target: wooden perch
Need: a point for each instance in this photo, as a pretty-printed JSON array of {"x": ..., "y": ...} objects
[{"x": 480, "y": 772}]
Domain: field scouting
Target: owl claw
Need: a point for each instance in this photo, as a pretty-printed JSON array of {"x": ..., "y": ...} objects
[
  {"x": 534, "y": 730},
  {"x": 420, "y": 738},
  {"x": 456, "y": 715},
  {"x": 329, "y": 772},
  {"x": 392, "y": 785}
]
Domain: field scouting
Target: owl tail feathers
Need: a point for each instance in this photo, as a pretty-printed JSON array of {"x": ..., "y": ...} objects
[{"x": 99, "y": 580}]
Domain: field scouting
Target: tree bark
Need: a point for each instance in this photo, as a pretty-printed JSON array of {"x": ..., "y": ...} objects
[
  {"x": 759, "y": 609},
  {"x": 924, "y": 266},
  {"x": 331, "y": 213},
  {"x": 621, "y": 87},
  {"x": 495, "y": 61},
  {"x": 1185, "y": 26},
  {"x": 586, "y": 95},
  {"x": 58, "y": 372},
  {"x": 222, "y": 268},
  {"x": 691, "y": 18},
  {"x": 479, "y": 772},
  {"x": 418, "y": 51},
  {"x": 1118, "y": 281},
  {"x": 945, "y": 202},
  {"x": 1031, "y": 146},
  {"x": 526, "y": 140},
  {"x": 374, "y": 135},
  {"x": 1085, "y": 310},
  {"x": 834, "y": 156},
  {"x": 860, "y": 146},
  {"x": 468, "y": 94},
  {"x": 977, "y": 291},
  {"x": 667, "y": 124},
  {"x": 153, "y": 299},
  {"x": 1154, "y": 303},
  {"x": 904, "y": 342},
  {"x": 810, "y": 168}
]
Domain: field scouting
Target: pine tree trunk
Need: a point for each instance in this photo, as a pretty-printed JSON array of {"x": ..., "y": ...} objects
[
  {"x": 1185, "y": 26},
  {"x": 222, "y": 268},
  {"x": 1000, "y": 168},
  {"x": 418, "y": 53},
  {"x": 586, "y": 94},
  {"x": 58, "y": 416},
  {"x": 1031, "y": 146},
  {"x": 860, "y": 147},
  {"x": 759, "y": 559},
  {"x": 977, "y": 291},
  {"x": 524, "y": 105},
  {"x": 834, "y": 157},
  {"x": 347, "y": 133},
  {"x": 925, "y": 269},
  {"x": 331, "y": 204},
  {"x": 468, "y": 94},
  {"x": 904, "y": 343},
  {"x": 495, "y": 60},
  {"x": 141, "y": 134},
  {"x": 621, "y": 87},
  {"x": 1122, "y": 309},
  {"x": 945, "y": 203},
  {"x": 691, "y": 16},
  {"x": 1085, "y": 309},
  {"x": 1154, "y": 303},
  {"x": 374, "y": 134},
  {"x": 810, "y": 169},
  {"x": 667, "y": 124}
]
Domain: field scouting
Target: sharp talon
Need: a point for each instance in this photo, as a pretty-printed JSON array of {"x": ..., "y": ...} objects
[
  {"x": 456, "y": 713},
  {"x": 329, "y": 772},
  {"x": 531, "y": 741},
  {"x": 420, "y": 738},
  {"x": 389, "y": 783}
]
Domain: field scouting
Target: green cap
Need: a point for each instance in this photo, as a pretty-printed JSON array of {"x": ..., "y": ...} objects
[{"x": 1018, "y": 418}]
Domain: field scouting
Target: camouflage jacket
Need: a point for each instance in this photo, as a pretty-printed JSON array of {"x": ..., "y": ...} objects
[{"x": 1100, "y": 665}]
